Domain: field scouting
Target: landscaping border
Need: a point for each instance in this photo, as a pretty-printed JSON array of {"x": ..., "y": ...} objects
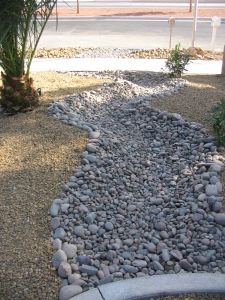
[{"x": 154, "y": 286}]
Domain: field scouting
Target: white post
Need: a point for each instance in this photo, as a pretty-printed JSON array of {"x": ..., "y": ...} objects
[
  {"x": 215, "y": 23},
  {"x": 194, "y": 23},
  {"x": 171, "y": 22},
  {"x": 213, "y": 37}
]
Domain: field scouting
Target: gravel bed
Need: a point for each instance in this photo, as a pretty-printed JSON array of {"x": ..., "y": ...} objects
[
  {"x": 147, "y": 196},
  {"x": 196, "y": 53}
]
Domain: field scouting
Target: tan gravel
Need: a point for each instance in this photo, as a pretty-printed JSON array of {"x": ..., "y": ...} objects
[{"x": 37, "y": 154}]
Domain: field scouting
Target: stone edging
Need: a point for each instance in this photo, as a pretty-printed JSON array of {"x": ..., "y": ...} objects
[{"x": 159, "y": 285}]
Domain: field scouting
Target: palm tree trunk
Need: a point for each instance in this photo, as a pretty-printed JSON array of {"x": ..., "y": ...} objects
[{"x": 18, "y": 94}]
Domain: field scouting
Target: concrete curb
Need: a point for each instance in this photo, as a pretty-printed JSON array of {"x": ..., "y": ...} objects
[
  {"x": 126, "y": 64},
  {"x": 159, "y": 285}
]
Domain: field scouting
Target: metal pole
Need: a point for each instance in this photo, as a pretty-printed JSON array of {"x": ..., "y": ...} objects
[
  {"x": 213, "y": 37},
  {"x": 190, "y": 6},
  {"x": 223, "y": 65},
  {"x": 78, "y": 7},
  {"x": 195, "y": 23}
]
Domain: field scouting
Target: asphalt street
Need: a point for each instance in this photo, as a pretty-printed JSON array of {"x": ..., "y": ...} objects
[{"x": 130, "y": 32}]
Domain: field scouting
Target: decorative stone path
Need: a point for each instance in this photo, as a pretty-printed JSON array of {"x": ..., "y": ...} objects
[{"x": 146, "y": 199}]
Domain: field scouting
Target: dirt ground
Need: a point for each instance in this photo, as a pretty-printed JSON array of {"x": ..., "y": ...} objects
[{"x": 154, "y": 12}]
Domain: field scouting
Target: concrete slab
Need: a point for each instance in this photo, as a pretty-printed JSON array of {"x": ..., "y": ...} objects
[
  {"x": 102, "y": 64},
  {"x": 93, "y": 294},
  {"x": 172, "y": 284}
]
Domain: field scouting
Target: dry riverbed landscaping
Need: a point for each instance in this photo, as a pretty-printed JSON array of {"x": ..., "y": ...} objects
[{"x": 136, "y": 185}]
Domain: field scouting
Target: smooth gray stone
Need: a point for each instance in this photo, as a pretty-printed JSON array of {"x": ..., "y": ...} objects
[
  {"x": 165, "y": 255},
  {"x": 129, "y": 269},
  {"x": 106, "y": 279},
  {"x": 54, "y": 209},
  {"x": 109, "y": 226},
  {"x": 58, "y": 257},
  {"x": 91, "y": 158},
  {"x": 197, "y": 217},
  {"x": 211, "y": 190},
  {"x": 157, "y": 266},
  {"x": 91, "y": 148},
  {"x": 69, "y": 291},
  {"x": 93, "y": 228},
  {"x": 150, "y": 247},
  {"x": 160, "y": 226},
  {"x": 217, "y": 207},
  {"x": 220, "y": 219},
  {"x": 202, "y": 260},
  {"x": 59, "y": 233},
  {"x": 185, "y": 265},
  {"x": 55, "y": 223},
  {"x": 94, "y": 134},
  {"x": 64, "y": 269},
  {"x": 57, "y": 244},
  {"x": 69, "y": 249},
  {"x": 176, "y": 254},
  {"x": 139, "y": 263},
  {"x": 83, "y": 260},
  {"x": 90, "y": 217},
  {"x": 214, "y": 167},
  {"x": 79, "y": 231},
  {"x": 90, "y": 270}
]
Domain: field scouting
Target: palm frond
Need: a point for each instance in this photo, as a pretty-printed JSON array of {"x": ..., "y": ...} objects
[{"x": 22, "y": 24}]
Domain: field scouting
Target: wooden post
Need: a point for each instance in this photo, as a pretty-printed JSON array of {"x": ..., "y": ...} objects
[
  {"x": 78, "y": 7},
  {"x": 190, "y": 6},
  {"x": 223, "y": 64}
]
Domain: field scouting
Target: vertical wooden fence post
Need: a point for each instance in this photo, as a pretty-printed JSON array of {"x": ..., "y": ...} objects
[{"x": 78, "y": 7}]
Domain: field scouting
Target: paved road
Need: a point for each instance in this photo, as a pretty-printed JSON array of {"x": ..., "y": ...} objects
[{"x": 126, "y": 32}]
